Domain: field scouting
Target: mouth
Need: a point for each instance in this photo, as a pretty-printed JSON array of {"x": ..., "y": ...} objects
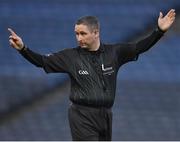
[{"x": 83, "y": 45}]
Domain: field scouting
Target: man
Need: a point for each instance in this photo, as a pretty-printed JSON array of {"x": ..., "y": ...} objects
[{"x": 92, "y": 67}]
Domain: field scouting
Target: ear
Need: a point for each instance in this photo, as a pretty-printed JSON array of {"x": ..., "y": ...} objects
[{"x": 96, "y": 32}]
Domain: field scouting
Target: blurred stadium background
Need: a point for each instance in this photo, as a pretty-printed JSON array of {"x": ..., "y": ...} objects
[{"x": 33, "y": 104}]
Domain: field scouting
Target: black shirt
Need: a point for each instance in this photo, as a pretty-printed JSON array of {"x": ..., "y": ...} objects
[{"x": 93, "y": 73}]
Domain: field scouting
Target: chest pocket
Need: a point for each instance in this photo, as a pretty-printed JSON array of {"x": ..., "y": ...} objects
[{"x": 107, "y": 69}]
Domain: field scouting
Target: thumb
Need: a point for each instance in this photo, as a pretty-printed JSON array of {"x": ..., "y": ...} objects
[{"x": 160, "y": 15}]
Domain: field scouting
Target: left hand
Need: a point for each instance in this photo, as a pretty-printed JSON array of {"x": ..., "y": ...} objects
[{"x": 165, "y": 22}]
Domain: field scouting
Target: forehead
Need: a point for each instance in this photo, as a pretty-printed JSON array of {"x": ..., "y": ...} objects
[{"x": 81, "y": 27}]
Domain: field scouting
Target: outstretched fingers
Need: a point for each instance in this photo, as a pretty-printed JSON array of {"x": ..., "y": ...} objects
[
  {"x": 171, "y": 13},
  {"x": 14, "y": 40},
  {"x": 14, "y": 37},
  {"x": 12, "y": 32}
]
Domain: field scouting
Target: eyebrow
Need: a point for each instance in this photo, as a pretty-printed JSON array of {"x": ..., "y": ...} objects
[{"x": 82, "y": 32}]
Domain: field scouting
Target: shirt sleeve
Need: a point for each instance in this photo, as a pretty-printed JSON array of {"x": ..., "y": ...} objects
[
  {"x": 56, "y": 62},
  {"x": 32, "y": 57},
  {"x": 146, "y": 43},
  {"x": 130, "y": 51},
  {"x": 125, "y": 53}
]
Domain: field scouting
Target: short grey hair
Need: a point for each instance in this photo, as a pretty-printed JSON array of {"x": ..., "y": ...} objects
[{"x": 91, "y": 21}]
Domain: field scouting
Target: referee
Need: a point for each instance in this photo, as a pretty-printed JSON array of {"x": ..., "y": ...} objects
[{"x": 93, "y": 68}]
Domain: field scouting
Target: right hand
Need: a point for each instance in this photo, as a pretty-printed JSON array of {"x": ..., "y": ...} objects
[
  {"x": 15, "y": 41},
  {"x": 165, "y": 22}
]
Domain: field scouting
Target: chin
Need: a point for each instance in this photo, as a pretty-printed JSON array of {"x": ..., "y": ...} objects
[{"x": 84, "y": 46}]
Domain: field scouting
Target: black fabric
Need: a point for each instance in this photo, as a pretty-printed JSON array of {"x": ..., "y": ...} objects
[
  {"x": 143, "y": 45},
  {"x": 92, "y": 124},
  {"x": 32, "y": 57},
  {"x": 93, "y": 82},
  {"x": 93, "y": 73},
  {"x": 58, "y": 62}
]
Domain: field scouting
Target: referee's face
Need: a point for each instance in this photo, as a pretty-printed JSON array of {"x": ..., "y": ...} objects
[{"x": 85, "y": 36}]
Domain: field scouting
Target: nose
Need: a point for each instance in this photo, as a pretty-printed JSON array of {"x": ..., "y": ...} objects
[{"x": 79, "y": 38}]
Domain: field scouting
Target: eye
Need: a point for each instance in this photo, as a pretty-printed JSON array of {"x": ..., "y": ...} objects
[
  {"x": 76, "y": 33},
  {"x": 83, "y": 33}
]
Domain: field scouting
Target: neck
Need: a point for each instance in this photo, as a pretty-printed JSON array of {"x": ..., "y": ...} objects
[{"x": 95, "y": 46}]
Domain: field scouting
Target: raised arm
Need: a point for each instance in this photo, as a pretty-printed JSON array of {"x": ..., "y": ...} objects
[
  {"x": 164, "y": 23},
  {"x": 17, "y": 43},
  {"x": 57, "y": 62}
]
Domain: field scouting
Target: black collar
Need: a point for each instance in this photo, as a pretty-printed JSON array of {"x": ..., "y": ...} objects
[{"x": 85, "y": 51}]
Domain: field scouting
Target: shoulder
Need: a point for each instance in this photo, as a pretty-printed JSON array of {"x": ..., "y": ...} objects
[
  {"x": 119, "y": 49},
  {"x": 64, "y": 53},
  {"x": 67, "y": 51},
  {"x": 118, "y": 46}
]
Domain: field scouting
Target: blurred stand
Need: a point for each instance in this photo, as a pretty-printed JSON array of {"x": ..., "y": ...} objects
[{"x": 33, "y": 105}]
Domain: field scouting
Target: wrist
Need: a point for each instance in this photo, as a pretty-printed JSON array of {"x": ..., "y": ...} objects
[
  {"x": 22, "y": 49},
  {"x": 160, "y": 30}
]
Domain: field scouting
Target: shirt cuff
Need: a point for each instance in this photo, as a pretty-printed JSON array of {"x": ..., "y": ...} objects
[
  {"x": 23, "y": 49},
  {"x": 159, "y": 30}
]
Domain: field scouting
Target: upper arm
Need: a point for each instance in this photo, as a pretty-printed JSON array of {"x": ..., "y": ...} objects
[
  {"x": 57, "y": 62},
  {"x": 126, "y": 53}
]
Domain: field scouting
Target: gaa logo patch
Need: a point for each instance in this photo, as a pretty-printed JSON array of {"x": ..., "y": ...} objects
[{"x": 82, "y": 72}]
